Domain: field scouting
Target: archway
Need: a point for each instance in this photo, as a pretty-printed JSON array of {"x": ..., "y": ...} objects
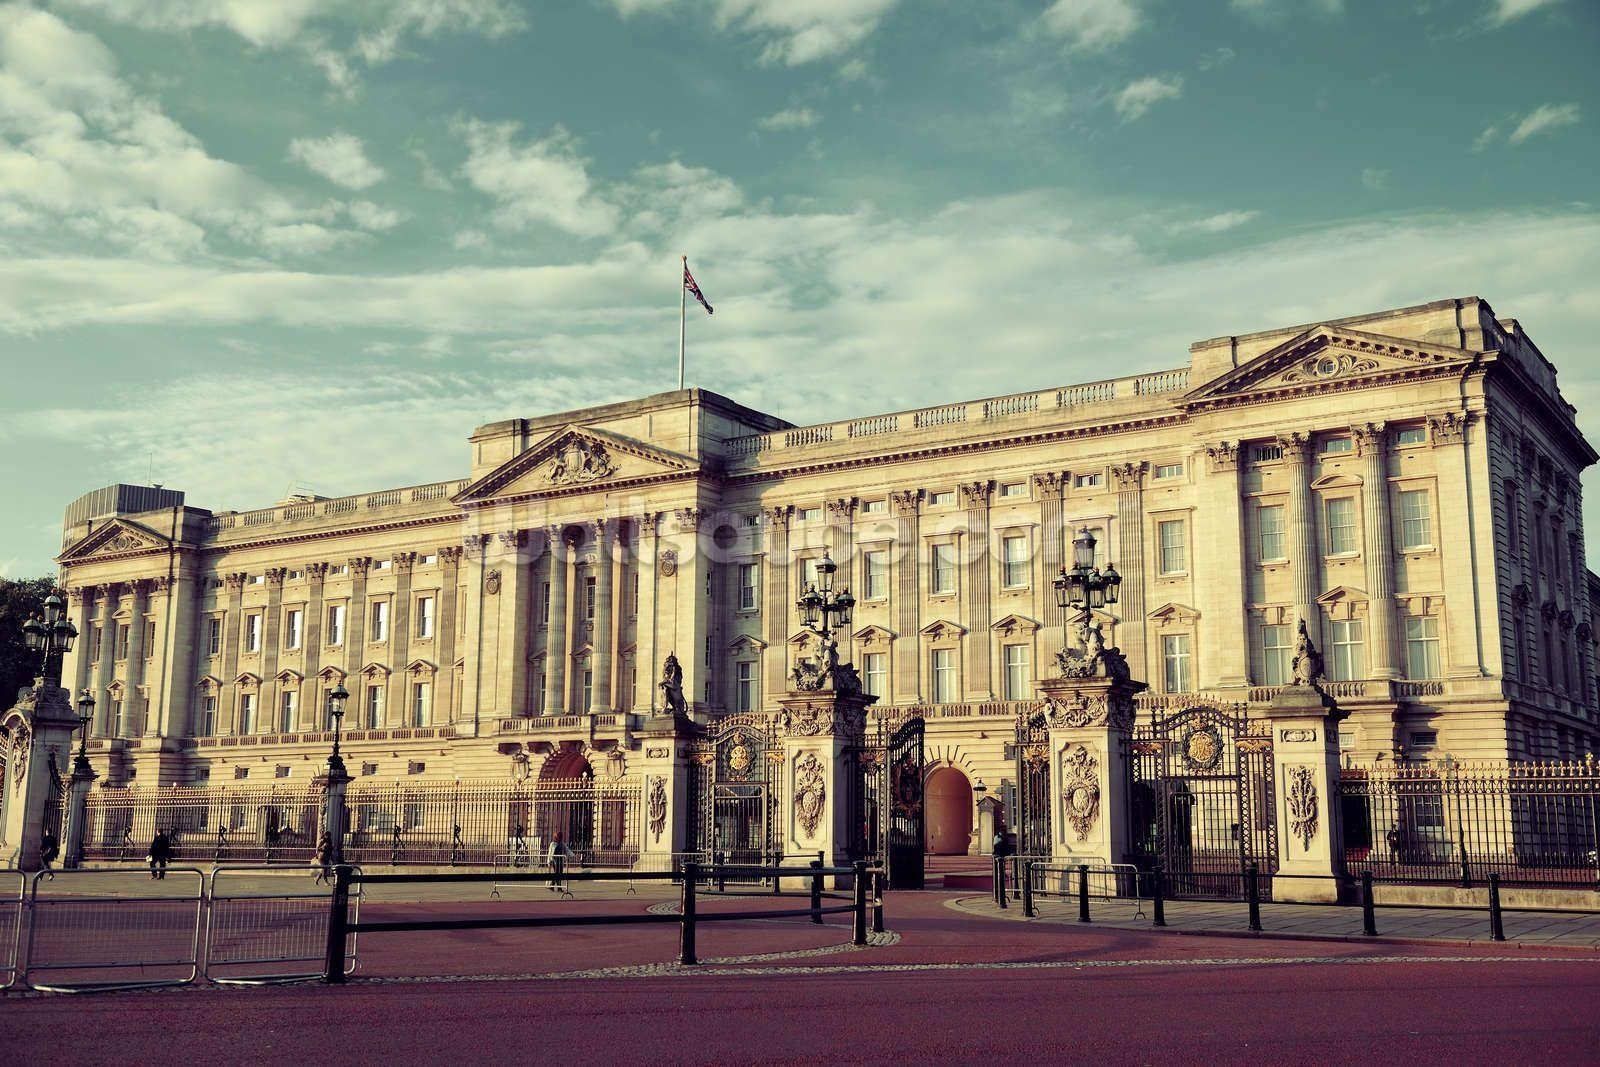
[
  {"x": 564, "y": 802},
  {"x": 947, "y": 807}
]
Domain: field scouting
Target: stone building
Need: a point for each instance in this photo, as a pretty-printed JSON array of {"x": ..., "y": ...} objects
[{"x": 1405, "y": 481}]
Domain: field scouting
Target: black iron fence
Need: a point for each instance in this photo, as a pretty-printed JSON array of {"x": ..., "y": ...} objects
[{"x": 1443, "y": 822}]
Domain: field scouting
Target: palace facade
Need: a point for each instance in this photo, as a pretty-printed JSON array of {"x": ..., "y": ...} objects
[{"x": 1406, "y": 482}]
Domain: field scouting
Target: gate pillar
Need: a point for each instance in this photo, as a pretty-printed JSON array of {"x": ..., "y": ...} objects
[
  {"x": 668, "y": 798},
  {"x": 823, "y": 730},
  {"x": 1305, "y": 755},
  {"x": 1089, "y": 719},
  {"x": 38, "y": 737}
]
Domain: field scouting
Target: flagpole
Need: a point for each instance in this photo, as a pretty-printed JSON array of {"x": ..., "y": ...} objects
[{"x": 683, "y": 311}]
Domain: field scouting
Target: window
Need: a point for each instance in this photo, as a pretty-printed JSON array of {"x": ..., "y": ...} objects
[
  {"x": 213, "y": 635},
  {"x": 944, "y": 675},
  {"x": 292, "y": 627},
  {"x": 291, "y": 703},
  {"x": 122, "y": 640},
  {"x": 149, "y": 638},
  {"x": 875, "y": 674},
  {"x": 1347, "y": 658},
  {"x": 252, "y": 633},
  {"x": 744, "y": 676},
  {"x": 1169, "y": 470},
  {"x": 428, "y": 559},
  {"x": 1424, "y": 738},
  {"x": 588, "y": 595},
  {"x": 1269, "y": 531},
  {"x": 1265, "y": 453},
  {"x": 544, "y": 604},
  {"x": 944, "y": 569},
  {"x": 749, "y": 590},
  {"x": 808, "y": 573},
  {"x": 208, "y": 716},
  {"x": 1088, "y": 481},
  {"x": 1174, "y": 556},
  {"x": 1175, "y": 662},
  {"x": 633, "y": 598},
  {"x": 942, "y": 498},
  {"x": 1416, "y": 519},
  {"x": 1339, "y": 516},
  {"x": 1013, "y": 490},
  {"x": 1422, "y": 646},
  {"x": 258, "y": 579},
  {"x": 1015, "y": 685},
  {"x": 247, "y": 713},
  {"x": 336, "y": 624},
  {"x": 588, "y": 690},
  {"x": 1412, "y": 435},
  {"x": 875, "y": 507},
  {"x": 421, "y": 695},
  {"x": 281, "y": 771},
  {"x": 538, "y": 692},
  {"x": 97, "y": 634},
  {"x": 1336, "y": 446},
  {"x": 296, "y": 575},
  {"x": 875, "y": 574},
  {"x": 374, "y": 707},
  {"x": 1014, "y": 561},
  {"x": 339, "y": 568},
  {"x": 425, "y": 616},
  {"x": 382, "y": 565},
  {"x": 1276, "y": 655},
  {"x": 380, "y": 621}
]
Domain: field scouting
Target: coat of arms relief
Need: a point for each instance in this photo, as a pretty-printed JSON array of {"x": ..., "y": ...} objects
[{"x": 579, "y": 461}]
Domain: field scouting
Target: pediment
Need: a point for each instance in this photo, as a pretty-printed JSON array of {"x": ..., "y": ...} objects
[
  {"x": 1015, "y": 624},
  {"x": 375, "y": 670},
  {"x": 421, "y": 668},
  {"x": 1172, "y": 612},
  {"x": 749, "y": 641},
  {"x": 118, "y": 537},
  {"x": 289, "y": 676},
  {"x": 575, "y": 458},
  {"x": 940, "y": 629},
  {"x": 209, "y": 683},
  {"x": 1328, "y": 357},
  {"x": 1337, "y": 481},
  {"x": 872, "y": 636},
  {"x": 332, "y": 674},
  {"x": 248, "y": 680},
  {"x": 1342, "y": 593}
]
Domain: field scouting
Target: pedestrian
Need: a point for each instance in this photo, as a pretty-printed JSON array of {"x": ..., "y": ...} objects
[
  {"x": 49, "y": 849},
  {"x": 558, "y": 859},
  {"x": 160, "y": 854},
  {"x": 1002, "y": 842},
  {"x": 322, "y": 860}
]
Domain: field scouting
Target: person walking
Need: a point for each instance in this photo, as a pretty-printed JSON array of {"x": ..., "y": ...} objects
[
  {"x": 49, "y": 849},
  {"x": 160, "y": 854}
]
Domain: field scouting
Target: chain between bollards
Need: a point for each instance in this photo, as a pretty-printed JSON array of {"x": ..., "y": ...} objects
[
  {"x": 1083, "y": 892},
  {"x": 686, "y": 948},
  {"x": 1369, "y": 915},
  {"x": 1252, "y": 892},
  {"x": 1497, "y": 928}
]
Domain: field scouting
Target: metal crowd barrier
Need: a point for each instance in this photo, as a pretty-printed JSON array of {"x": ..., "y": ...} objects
[
  {"x": 269, "y": 925},
  {"x": 85, "y": 923},
  {"x": 16, "y": 885}
]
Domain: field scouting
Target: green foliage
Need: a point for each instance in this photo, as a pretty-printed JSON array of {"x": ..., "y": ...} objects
[{"x": 19, "y": 598}]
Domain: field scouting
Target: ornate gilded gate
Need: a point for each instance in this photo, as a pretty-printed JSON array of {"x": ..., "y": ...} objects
[
  {"x": 1201, "y": 801},
  {"x": 736, "y": 781},
  {"x": 1031, "y": 819},
  {"x": 902, "y": 811}
]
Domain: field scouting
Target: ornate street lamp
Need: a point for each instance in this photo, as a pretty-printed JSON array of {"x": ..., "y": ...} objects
[
  {"x": 50, "y": 635},
  {"x": 822, "y": 611},
  {"x": 85, "y": 717},
  {"x": 336, "y": 701},
  {"x": 1085, "y": 587}
]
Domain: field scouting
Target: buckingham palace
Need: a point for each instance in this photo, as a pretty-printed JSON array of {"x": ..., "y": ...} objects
[{"x": 1403, "y": 482}]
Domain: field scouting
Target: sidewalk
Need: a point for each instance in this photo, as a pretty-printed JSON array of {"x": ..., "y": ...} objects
[{"x": 1311, "y": 921}]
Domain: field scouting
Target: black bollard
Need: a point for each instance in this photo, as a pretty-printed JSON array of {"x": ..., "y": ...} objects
[
  {"x": 1252, "y": 892},
  {"x": 816, "y": 892},
  {"x": 1158, "y": 902},
  {"x": 1000, "y": 882},
  {"x": 1369, "y": 915},
  {"x": 859, "y": 931},
  {"x": 1497, "y": 929},
  {"x": 877, "y": 902},
  {"x": 1083, "y": 892},
  {"x": 1027, "y": 890},
  {"x": 686, "y": 949},
  {"x": 338, "y": 924},
  {"x": 719, "y": 858}
]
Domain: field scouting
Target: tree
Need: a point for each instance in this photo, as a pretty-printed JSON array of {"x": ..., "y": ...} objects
[{"x": 19, "y": 598}]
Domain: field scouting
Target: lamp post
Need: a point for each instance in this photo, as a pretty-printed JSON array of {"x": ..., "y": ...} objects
[
  {"x": 822, "y": 611},
  {"x": 81, "y": 781},
  {"x": 50, "y": 635},
  {"x": 337, "y": 697},
  {"x": 1084, "y": 587},
  {"x": 338, "y": 779}
]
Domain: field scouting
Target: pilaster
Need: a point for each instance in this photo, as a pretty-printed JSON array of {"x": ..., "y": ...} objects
[
  {"x": 1305, "y": 555},
  {"x": 105, "y": 672},
  {"x": 555, "y": 656},
  {"x": 646, "y": 546},
  {"x": 975, "y": 499},
  {"x": 1129, "y": 481},
  {"x": 775, "y": 606},
  {"x": 1219, "y": 555},
  {"x": 1449, "y": 435},
  {"x": 312, "y": 711},
  {"x": 1052, "y": 547},
  {"x": 604, "y": 573},
  {"x": 907, "y": 505},
  {"x": 447, "y": 636},
  {"x": 1378, "y": 532},
  {"x": 133, "y": 677},
  {"x": 507, "y": 587},
  {"x": 232, "y": 622}
]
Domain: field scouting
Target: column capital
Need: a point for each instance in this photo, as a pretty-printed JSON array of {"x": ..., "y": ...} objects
[
  {"x": 1371, "y": 438},
  {"x": 842, "y": 510},
  {"x": 1448, "y": 428},
  {"x": 161, "y": 584},
  {"x": 450, "y": 554},
  {"x": 1224, "y": 456},
  {"x": 1049, "y": 483},
  {"x": 75, "y": 595},
  {"x": 235, "y": 582},
  {"x": 905, "y": 502},
  {"x": 474, "y": 543},
  {"x": 603, "y": 529},
  {"x": 975, "y": 495},
  {"x": 1129, "y": 477},
  {"x": 404, "y": 561},
  {"x": 358, "y": 565},
  {"x": 276, "y": 575},
  {"x": 511, "y": 540},
  {"x": 776, "y": 514},
  {"x": 1296, "y": 446},
  {"x": 688, "y": 519},
  {"x": 317, "y": 571}
]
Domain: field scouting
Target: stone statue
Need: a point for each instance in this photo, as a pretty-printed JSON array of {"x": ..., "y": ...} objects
[
  {"x": 671, "y": 685},
  {"x": 1092, "y": 658},
  {"x": 1307, "y": 660}
]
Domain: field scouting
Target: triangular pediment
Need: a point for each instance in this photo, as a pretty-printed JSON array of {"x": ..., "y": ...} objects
[
  {"x": 1173, "y": 613},
  {"x": 332, "y": 674},
  {"x": 1328, "y": 357},
  {"x": 940, "y": 629},
  {"x": 247, "y": 680},
  {"x": 575, "y": 458},
  {"x": 210, "y": 683},
  {"x": 118, "y": 537},
  {"x": 290, "y": 676},
  {"x": 1342, "y": 593},
  {"x": 421, "y": 668},
  {"x": 1015, "y": 624},
  {"x": 755, "y": 644},
  {"x": 873, "y": 636}
]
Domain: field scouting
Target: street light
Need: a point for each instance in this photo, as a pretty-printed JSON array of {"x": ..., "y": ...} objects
[
  {"x": 822, "y": 611},
  {"x": 50, "y": 635},
  {"x": 1085, "y": 587},
  {"x": 336, "y": 701},
  {"x": 85, "y": 716}
]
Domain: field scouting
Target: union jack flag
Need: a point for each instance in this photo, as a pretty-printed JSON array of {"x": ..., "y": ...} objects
[{"x": 694, "y": 289}]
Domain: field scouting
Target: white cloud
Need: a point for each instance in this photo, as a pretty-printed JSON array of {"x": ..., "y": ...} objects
[
  {"x": 1140, "y": 96},
  {"x": 792, "y": 32},
  {"x": 469, "y": 240},
  {"x": 340, "y": 157},
  {"x": 1218, "y": 223},
  {"x": 1091, "y": 25},
  {"x": 1486, "y": 138},
  {"x": 375, "y": 219},
  {"x": 1276, "y": 9},
  {"x": 1504, "y": 11},
  {"x": 1374, "y": 178},
  {"x": 1543, "y": 119},
  {"x": 542, "y": 182},
  {"x": 793, "y": 118}
]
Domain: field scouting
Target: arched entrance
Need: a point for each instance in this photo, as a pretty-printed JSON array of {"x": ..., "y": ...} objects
[
  {"x": 564, "y": 802},
  {"x": 949, "y": 813}
]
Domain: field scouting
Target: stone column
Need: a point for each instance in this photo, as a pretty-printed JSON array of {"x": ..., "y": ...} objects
[
  {"x": 473, "y": 672},
  {"x": 1052, "y": 548},
  {"x": 356, "y": 619},
  {"x": 693, "y": 619},
  {"x": 600, "y": 694},
  {"x": 1378, "y": 549},
  {"x": 979, "y": 585},
  {"x": 133, "y": 679},
  {"x": 821, "y": 731},
  {"x": 1459, "y": 542},
  {"x": 268, "y": 718},
  {"x": 40, "y": 730},
  {"x": 1219, "y": 555},
  {"x": 1305, "y": 774},
  {"x": 398, "y": 712},
  {"x": 555, "y": 656},
  {"x": 232, "y": 623},
  {"x": 775, "y": 603},
  {"x": 313, "y": 714},
  {"x": 446, "y": 634},
  {"x": 668, "y": 803},
  {"x": 1131, "y": 636},
  {"x": 77, "y": 814},
  {"x": 646, "y": 652},
  {"x": 907, "y": 504},
  {"x": 842, "y": 549},
  {"x": 1089, "y": 720},
  {"x": 103, "y": 724},
  {"x": 75, "y": 666},
  {"x": 1305, "y": 553},
  {"x": 508, "y": 598},
  {"x": 163, "y": 603}
]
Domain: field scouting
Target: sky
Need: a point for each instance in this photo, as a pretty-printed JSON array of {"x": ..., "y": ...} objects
[{"x": 249, "y": 245}]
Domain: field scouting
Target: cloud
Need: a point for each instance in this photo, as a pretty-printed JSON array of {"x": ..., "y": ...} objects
[
  {"x": 339, "y": 157},
  {"x": 1278, "y": 9},
  {"x": 1374, "y": 179},
  {"x": 1486, "y": 138},
  {"x": 1219, "y": 223},
  {"x": 791, "y": 33},
  {"x": 1543, "y": 119},
  {"x": 793, "y": 118},
  {"x": 371, "y": 217},
  {"x": 540, "y": 182},
  {"x": 1140, "y": 96},
  {"x": 1091, "y": 25},
  {"x": 1504, "y": 11},
  {"x": 1217, "y": 57}
]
